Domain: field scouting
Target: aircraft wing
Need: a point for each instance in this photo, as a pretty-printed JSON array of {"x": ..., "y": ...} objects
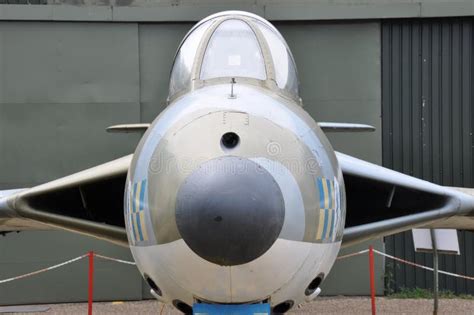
[
  {"x": 89, "y": 202},
  {"x": 382, "y": 202}
]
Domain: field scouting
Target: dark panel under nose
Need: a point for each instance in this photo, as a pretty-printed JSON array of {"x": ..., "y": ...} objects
[{"x": 230, "y": 211}]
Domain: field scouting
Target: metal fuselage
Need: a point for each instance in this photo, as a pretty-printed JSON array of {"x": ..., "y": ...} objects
[{"x": 254, "y": 218}]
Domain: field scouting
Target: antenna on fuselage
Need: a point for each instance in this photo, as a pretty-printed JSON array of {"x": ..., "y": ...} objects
[{"x": 232, "y": 95}]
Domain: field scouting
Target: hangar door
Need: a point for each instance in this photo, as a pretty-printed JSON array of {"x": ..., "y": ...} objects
[{"x": 427, "y": 122}]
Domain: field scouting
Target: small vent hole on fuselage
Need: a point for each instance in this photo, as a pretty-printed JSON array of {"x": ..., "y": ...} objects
[
  {"x": 183, "y": 307},
  {"x": 153, "y": 285},
  {"x": 314, "y": 285},
  {"x": 283, "y": 307},
  {"x": 230, "y": 140}
]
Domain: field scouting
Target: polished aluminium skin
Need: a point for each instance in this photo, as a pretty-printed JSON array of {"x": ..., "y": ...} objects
[
  {"x": 260, "y": 197},
  {"x": 234, "y": 193}
]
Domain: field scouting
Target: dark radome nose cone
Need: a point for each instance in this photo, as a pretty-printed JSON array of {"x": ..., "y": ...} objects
[{"x": 230, "y": 211}]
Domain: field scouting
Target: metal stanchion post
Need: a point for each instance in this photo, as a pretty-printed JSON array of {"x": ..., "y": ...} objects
[
  {"x": 91, "y": 282},
  {"x": 435, "y": 271},
  {"x": 372, "y": 278}
]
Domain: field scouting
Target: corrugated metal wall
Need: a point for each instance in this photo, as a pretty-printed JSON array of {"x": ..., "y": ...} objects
[{"x": 427, "y": 119}]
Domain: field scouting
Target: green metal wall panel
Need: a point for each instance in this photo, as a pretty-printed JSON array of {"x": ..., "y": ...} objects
[
  {"x": 339, "y": 69},
  {"x": 24, "y": 2},
  {"x": 62, "y": 83},
  {"x": 39, "y": 58},
  {"x": 192, "y": 10},
  {"x": 28, "y": 251},
  {"x": 41, "y": 142},
  {"x": 427, "y": 127},
  {"x": 158, "y": 45}
]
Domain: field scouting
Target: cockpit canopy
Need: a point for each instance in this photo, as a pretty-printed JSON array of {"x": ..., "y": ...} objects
[{"x": 236, "y": 45}]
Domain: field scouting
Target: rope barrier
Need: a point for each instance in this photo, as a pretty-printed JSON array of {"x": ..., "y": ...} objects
[
  {"x": 353, "y": 254},
  {"x": 423, "y": 267},
  {"x": 115, "y": 259},
  {"x": 133, "y": 264},
  {"x": 405, "y": 262},
  {"x": 43, "y": 270},
  {"x": 63, "y": 264}
]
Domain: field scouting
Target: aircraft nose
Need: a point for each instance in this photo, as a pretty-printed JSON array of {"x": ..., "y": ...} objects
[{"x": 230, "y": 210}]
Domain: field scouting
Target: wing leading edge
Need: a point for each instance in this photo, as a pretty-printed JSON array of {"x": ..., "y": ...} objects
[
  {"x": 88, "y": 202},
  {"x": 382, "y": 202}
]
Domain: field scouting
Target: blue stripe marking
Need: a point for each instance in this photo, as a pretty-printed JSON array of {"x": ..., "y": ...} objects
[
  {"x": 142, "y": 195},
  {"x": 139, "y": 226},
  {"x": 134, "y": 190},
  {"x": 332, "y": 222},
  {"x": 127, "y": 209},
  {"x": 329, "y": 193},
  {"x": 321, "y": 193},
  {"x": 219, "y": 309},
  {"x": 133, "y": 197},
  {"x": 326, "y": 214}
]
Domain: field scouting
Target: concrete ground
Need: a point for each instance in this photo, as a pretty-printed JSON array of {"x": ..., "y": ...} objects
[{"x": 324, "y": 305}]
